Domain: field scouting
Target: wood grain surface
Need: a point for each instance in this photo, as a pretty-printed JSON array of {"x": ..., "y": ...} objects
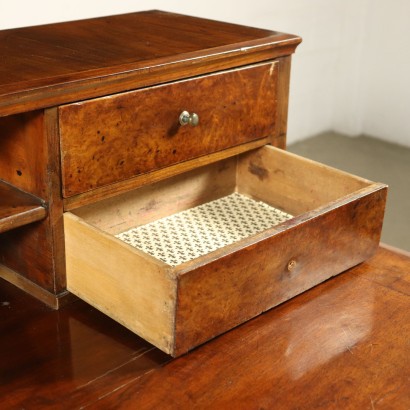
[
  {"x": 124, "y": 283},
  {"x": 291, "y": 182},
  {"x": 30, "y": 160},
  {"x": 282, "y": 103},
  {"x": 17, "y": 208},
  {"x": 144, "y": 205},
  {"x": 242, "y": 283},
  {"x": 58, "y": 63},
  {"x": 128, "y": 185},
  {"x": 23, "y": 152},
  {"x": 117, "y": 137},
  {"x": 342, "y": 344}
]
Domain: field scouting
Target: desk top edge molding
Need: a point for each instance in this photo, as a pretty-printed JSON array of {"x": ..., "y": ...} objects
[{"x": 80, "y": 74}]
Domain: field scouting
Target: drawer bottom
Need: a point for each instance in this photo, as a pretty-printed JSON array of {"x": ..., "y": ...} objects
[{"x": 205, "y": 228}]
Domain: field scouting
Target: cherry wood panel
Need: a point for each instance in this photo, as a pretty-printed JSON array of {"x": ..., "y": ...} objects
[
  {"x": 281, "y": 122},
  {"x": 55, "y": 200},
  {"x": 341, "y": 344},
  {"x": 30, "y": 160},
  {"x": 114, "y": 138},
  {"x": 27, "y": 251},
  {"x": 23, "y": 152},
  {"x": 17, "y": 208},
  {"x": 52, "y": 64}
]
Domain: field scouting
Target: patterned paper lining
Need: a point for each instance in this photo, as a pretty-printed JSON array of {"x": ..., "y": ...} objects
[{"x": 197, "y": 231}]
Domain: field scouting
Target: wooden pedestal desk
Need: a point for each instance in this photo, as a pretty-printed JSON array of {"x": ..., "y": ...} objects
[{"x": 114, "y": 123}]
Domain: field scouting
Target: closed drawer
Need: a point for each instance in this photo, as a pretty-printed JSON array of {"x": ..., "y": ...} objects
[
  {"x": 333, "y": 222},
  {"x": 114, "y": 138}
]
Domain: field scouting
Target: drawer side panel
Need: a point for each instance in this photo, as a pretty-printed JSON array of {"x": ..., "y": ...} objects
[
  {"x": 114, "y": 138},
  {"x": 108, "y": 275},
  {"x": 230, "y": 290}
]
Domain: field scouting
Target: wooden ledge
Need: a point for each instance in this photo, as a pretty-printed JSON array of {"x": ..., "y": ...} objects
[{"x": 18, "y": 208}]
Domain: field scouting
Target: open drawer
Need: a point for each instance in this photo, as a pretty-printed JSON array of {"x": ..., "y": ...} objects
[{"x": 328, "y": 221}]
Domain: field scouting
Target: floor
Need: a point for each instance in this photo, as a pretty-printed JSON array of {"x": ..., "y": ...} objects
[{"x": 373, "y": 159}]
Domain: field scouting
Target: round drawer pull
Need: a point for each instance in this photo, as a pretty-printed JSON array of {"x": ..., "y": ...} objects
[
  {"x": 291, "y": 265},
  {"x": 186, "y": 118}
]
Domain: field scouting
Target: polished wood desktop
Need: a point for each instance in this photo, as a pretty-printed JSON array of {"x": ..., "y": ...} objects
[{"x": 343, "y": 344}]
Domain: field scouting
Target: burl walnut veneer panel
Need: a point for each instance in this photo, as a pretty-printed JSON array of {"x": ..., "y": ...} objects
[{"x": 114, "y": 138}]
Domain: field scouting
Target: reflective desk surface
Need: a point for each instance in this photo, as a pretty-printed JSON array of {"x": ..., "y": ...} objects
[{"x": 344, "y": 344}]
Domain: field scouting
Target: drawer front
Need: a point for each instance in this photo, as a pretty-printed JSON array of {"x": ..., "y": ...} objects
[
  {"x": 117, "y": 137},
  {"x": 241, "y": 285}
]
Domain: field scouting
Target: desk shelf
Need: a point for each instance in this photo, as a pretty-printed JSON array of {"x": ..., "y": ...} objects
[{"x": 18, "y": 208}]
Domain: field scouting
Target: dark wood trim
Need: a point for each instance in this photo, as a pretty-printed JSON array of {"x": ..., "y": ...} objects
[
  {"x": 55, "y": 199},
  {"x": 29, "y": 287}
]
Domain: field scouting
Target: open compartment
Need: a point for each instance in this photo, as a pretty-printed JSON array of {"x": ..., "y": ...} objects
[
  {"x": 330, "y": 221},
  {"x": 18, "y": 208}
]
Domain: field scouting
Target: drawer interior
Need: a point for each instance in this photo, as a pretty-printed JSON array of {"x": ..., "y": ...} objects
[{"x": 262, "y": 188}]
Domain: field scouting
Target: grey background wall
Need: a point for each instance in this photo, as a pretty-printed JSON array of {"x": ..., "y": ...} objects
[{"x": 351, "y": 73}]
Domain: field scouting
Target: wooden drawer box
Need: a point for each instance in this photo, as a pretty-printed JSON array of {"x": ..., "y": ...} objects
[
  {"x": 336, "y": 224},
  {"x": 113, "y": 138}
]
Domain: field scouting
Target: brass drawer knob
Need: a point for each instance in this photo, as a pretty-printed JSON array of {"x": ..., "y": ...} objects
[{"x": 187, "y": 118}]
